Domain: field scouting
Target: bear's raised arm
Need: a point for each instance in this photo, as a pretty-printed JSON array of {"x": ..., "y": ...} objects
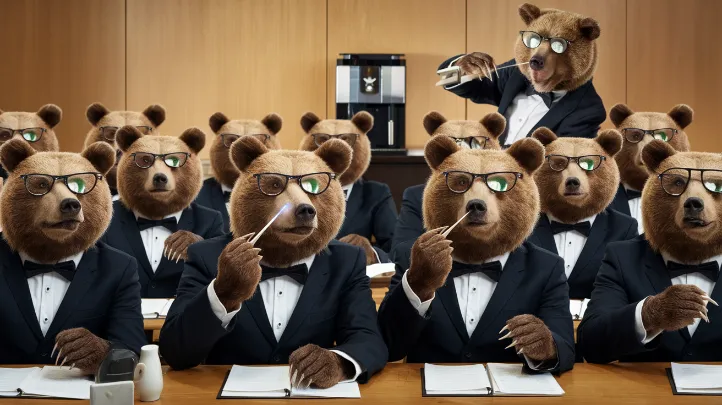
[{"x": 483, "y": 91}]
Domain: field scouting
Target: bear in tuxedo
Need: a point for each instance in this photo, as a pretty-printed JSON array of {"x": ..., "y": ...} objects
[
  {"x": 35, "y": 128},
  {"x": 155, "y": 219},
  {"x": 216, "y": 191},
  {"x": 370, "y": 209},
  {"x": 480, "y": 294},
  {"x": 638, "y": 130},
  {"x": 63, "y": 293},
  {"x": 105, "y": 124},
  {"x": 296, "y": 296},
  {"x": 576, "y": 183},
  {"x": 652, "y": 296}
]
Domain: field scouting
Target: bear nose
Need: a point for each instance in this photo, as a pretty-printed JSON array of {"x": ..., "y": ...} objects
[
  {"x": 693, "y": 205},
  {"x": 478, "y": 206},
  {"x": 305, "y": 212},
  {"x": 70, "y": 206},
  {"x": 160, "y": 180},
  {"x": 572, "y": 184},
  {"x": 536, "y": 62}
]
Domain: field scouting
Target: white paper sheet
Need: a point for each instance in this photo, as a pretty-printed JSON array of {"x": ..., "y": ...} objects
[
  {"x": 577, "y": 308},
  {"x": 341, "y": 390},
  {"x": 697, "y": 378},
  {"x": 378, "y": 269},
  {"x": 153, "y": 308},
  {"x": 275, "y": 382},
  {"x": 456, "y": 380},
  {"x": 508, "y": 379},
  {"x": 56, "y": 382},
  {"x": 11, "y": 378}
]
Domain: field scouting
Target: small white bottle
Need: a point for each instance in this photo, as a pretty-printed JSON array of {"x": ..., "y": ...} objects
[{"x": 149, "y": 382}]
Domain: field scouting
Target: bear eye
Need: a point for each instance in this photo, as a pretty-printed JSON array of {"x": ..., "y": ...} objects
[
  {"x": 172, "y": 161},
  {"x": 30, "y": 135},
  {"x": 661, "y": 135},
  {"x": 587, "y": 164},
  {"x": 76, "y": 185},
  {"x": 498, "y": 183},
  {"x": 310, "y": 185}
]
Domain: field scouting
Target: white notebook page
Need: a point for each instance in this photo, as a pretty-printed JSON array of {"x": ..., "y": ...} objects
[
  {"x": 449, "y": 380},
  {"x": 510, "y": 380}
]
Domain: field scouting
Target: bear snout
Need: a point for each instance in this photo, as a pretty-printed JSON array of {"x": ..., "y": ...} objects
[
  {"x": 477, "y": 210},
  {"x": 536, "y": 62},
  {"x": 572, "y": 185},
  {"x": 70, "y": 207},
  {"x": 305, "y": 214},
  {"x": 693, "y": 209}
]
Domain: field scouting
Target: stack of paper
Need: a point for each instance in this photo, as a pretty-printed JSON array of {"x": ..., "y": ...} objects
[
  {"x": 456, "y": 380},
  {"x": 577, "y": 308},
  {"x": 153, "y": 308},
  {"x": 380, "y": 269},
  {"x": 48, "y": 381},
  {"x": 697, "y": 378},
  {"x": 11, "y": 378},
  {"x": 510, "y": 380}
]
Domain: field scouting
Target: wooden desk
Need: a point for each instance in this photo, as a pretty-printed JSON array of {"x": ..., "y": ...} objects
[{"x": 153, "y": 324}]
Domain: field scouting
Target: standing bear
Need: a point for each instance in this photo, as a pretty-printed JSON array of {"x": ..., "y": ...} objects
[
  {"x": 480, "y": 294},
  {"x": 65, "y": 298},
  {"x": 216, "y": 191},
  {"x": 155, "y": 219},
  {"x": 552, "y": 86},
  {"x": 296, "y": 296},
  {"x": 370, "y": 209},
  {"x": 35, "y": 128},
  {"x": 577, "y": 182},
  {"x": 639, "y": 129}
]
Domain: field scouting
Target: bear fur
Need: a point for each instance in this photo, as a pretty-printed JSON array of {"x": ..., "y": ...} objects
[
  {"x": 47, "y": 117},
  {"x": 491, "y": 126},
  {"x": 629, "y": 159}
]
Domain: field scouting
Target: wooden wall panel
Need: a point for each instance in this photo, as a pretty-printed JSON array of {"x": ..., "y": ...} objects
[
  {"x": 70, "y": 53},
  {"x": 494, "y": 25},
  {"x": 674, "y": 57},
  {"x": 245, "y": 58},
  {"x": 427, "y": 31}
]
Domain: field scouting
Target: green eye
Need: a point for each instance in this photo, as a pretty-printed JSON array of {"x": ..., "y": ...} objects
[
  {"x": 172, "y": 161},
  {"x": 497, "y": 183},
  {"x": 713, "y": 186},
  {"x": 310, "y": 185},
  {"x": 587, "y": 164},
  {"x": 30, "y": 136},
  {"x": 661, "y": 136},
  {"x": 76, "y": 185}
]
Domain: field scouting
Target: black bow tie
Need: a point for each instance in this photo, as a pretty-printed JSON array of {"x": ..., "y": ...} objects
[
  {"x": 632, "y": 194},
  {"x": 298, "y": 272},
  {"x": 65, "y": 269},
  {"x": 170, "y": 224},
  {"x": 227, "y": 196},
  {"x": 547, "y": 97},
  {"x": 709, "y": 269},
  {"x": 581, "y": 227},
  {"x": 491, "y": 269}
]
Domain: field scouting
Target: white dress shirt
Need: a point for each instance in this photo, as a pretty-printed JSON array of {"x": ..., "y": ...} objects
[
  {"x": 635, "y": 210},
  {"x": 47, "y": 291},
  {"x": 697, "y": 279},
  {"x": 347, "y": 190},
  {"x": 154, "y": 240},
  {"x": 225, "y": 189},
  {"x": 570, "y": 244},
  {"x": 280, "y": 296}
]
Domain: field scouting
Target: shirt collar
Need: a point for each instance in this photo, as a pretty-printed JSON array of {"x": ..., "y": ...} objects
[
  {"x": 627, "y": 187},
  {"x": 177, "y": 216},
  {"x": 501, "y": 259},
  {"x": 75, "y": 258},
  {"x": 590, "y": 219},
  {"x": 347, "y": 188},
  {"x": 225, "y": 188},
  {"x": 308, "y": 261},
  {"x": 558, "y": 95},
  {"x": 667, "y": 257}
]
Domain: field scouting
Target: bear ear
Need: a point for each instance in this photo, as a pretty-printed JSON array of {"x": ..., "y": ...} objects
[
  {"x": 528, "y": 152},
  {"x": 194, "y": 138},
  {"x": 126, "y": 136},
  {"x": 495, "y": 123},
  {"x": 432, "y": 121},
  {"x": 589, "y": 28},
  {"x": 308, "y": 121},
  {"x": 95, "y": 113},
  {"x": 544, "y": 135},
  {"x": 217, "y": 121},
  {"x": 437, "y": 149},
  {"x": 529, "y": 12},
  {"x": 619, "y": 113},
  {"x": 655, "y": 153},
  {"x": 363, "y": 121},
  {"x": 610, "y": 140},
  {"x": 337, "y": 155},
  {"x": 245, "y": 150},
  {"x": 101, "y": 155},
  {"x": 156, "y": 114},
  {"x": 51, "y": 114},
  {"x": 273, "y": 122},
  {"x": 682, "y": 114},
  {"x": 13, "y": 152}
]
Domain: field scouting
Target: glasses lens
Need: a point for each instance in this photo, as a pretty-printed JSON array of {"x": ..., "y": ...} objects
[
  {"x": 712, "y": 181},
  {"x": 144, "y": 160},
  {"x": 145, "y": 130},
  {"x": 348, "y": 138},
  {"x": 261, "y": 137},
  {"x": 82, "y": 183},
  {"x": 558, "y": 45},
  {"x": 531, "y": 39},
  {"x": 321, "y": 138},
  {"x": 501, "y": 182},
  {"x": 461, "y": 142},
  {"x": 272, "y": 184},
  {"x": 32, "y": 134},
  {"x": 558, "y": 163},
  {"x": 459, "y": 182},
  {"x": 590, "y": 162},
  {"x": 664, "y": 134},
  {"x": 633, "y": 135},
  {"x": 478, "y": 142},
  {"x": 109, "y": 133},
  {"x": 175, "y": 159},
  {"x": 228, "y": 139},
  {"x": 5, "y": 134},
  {"x": 674, "y": 181},
  {"x": 315, "y": 183},
  {"x": 39, "y": 184}
]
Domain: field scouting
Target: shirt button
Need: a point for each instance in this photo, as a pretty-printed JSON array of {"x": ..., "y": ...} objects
[
  {"x": 280, "y": 293},
  {"x": 47, "y": 289},
  {"x": 277, "y": 358},
  {"x": 152, "y": 285},
  {"x": 156, "y": 238},
  {"x": 45, "y": 320},
  {"x": 570, "y": 243},
  {"x": 473, "y": 289},
  {"x": 467, "y": 355},
  {"x": 471, "y": 320}
]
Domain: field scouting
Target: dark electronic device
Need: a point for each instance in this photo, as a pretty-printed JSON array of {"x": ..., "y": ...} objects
[{"x": 119, "y": 365}]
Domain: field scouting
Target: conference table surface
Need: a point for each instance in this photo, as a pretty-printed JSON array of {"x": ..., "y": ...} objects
[{"x": 398, "y": 383}]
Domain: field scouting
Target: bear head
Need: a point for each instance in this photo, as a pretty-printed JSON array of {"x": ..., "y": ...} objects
[
  {"x": 313, "y": 205},
  {"x": 579, "y": 177},
  {"x": 35, "y": 128},
  {"x": 482, "y": 134},
  {"x": 227, "y": 131},
  {"x": 159, "y": 175},
  {"x": 495, "y": 187},
  {"x": 48, "y": 216},
  {"x": 351, "y": 131},
  {"x": 639, "y": 129}
]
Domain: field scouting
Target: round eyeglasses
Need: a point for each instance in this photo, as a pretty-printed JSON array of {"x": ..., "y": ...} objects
[
  {"x": 78, "y": 183},
  {"x": 532, "y": 40},
  {"x": 320, "y": 139},
  {"x": 471, "y": 142},
  {"x": 676, "y": 180},
  {"x": 273, "y": 184},
  {"x": 228, "y": 139},
  {"x": 108, "y": 133},
  {"x": 587, "y": 163},
  {"x": 145, "y": 160},
  {"x": 499, "y": 182},
  {"x": 635, "y": 135},
  {"x": 29, "y": 134}
]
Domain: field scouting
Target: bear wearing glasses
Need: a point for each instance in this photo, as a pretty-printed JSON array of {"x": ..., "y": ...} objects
[
  {"x": 576, "y": 183},
  {"x": 65, "y": 298},
  {"x": 639, "y": 129},
  {"x": 35, "y": 128},
  {"x": 155, "y": 219},
  {"x": 656, "y": 297},
  {"x": 551, "y": 87},
  {"x": 291, "y": 295},
  {"x": 370, "y": 209},
  {"x": 216, "y": 191}
]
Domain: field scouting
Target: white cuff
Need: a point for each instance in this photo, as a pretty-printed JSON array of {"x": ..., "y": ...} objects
[
  {"x": 218, "y": 309},
  {"x": 421, "y": 307},
  {"x": 639, "y": 328},
  {"x": 356, "y": 366},
  {"x": 535, "y": 365},
  {"x": 450, "y": 65}
]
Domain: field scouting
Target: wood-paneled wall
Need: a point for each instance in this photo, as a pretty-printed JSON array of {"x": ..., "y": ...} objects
[{"x": 247, "y": 58}]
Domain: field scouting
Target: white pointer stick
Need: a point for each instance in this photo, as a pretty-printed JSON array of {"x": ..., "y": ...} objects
[
  {"x": 451, "y": 228},
  {"x": 258, "y": 235},
  {"x": 455, "y": 77}
]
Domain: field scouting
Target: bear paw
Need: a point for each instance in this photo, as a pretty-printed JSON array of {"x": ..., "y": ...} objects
[
  {"x": 239, "y": 272},
  {"x": 80, "y": 348},
  {"x": 362, "y": 242}
]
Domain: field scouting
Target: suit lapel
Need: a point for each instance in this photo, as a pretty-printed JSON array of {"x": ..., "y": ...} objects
[
  {"x": 714, "y": 313},
  {"x": 621, "y": 202},
  {"x": 543, "y": 235},
  {"x": 355, "y": 200},
  {"x": 132, "y": 235},
  {"x": 594, "y": 242},
  {"x": 18, "y": 285},
  {"x": 657, "y": 274},
  {"x": 185, "y": 223},
  {"x": 258, "y": 311},
  {"x": 447, "y": 295},
  {"x": 515, "y": 85}
]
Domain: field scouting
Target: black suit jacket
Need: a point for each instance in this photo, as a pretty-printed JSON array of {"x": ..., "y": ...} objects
[
  {"x": 609, "y": 226},
  {"x": 335, "y": 310},
  {"x": 410, "y": 224},
  {"x": 124, "y": 235},
  {"x": 211, "y": 196},
  {"x": 3, "y": 173},
  {"x": 579, "y": 113},
  {"x": 104, "y": 297},
  {"x": 632, "y": 271},
  {"x": 621, "y": 201},
  {"x": 533, "y": 282},
  {"x": 370, "y": 212}
]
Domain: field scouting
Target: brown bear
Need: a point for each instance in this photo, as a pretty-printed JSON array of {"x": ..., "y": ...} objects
[
  {"x": 639, "y": 129},
  {"x": 370, "y": 209},
  {"x": 106, "y": 123},
  {"x": 577, "y": 182},
  {"x": 486, "y": 277},
  {"x": 652, "y": 292},
  {"x": 549, "y": 81},
  {"x": 216, "y": 191},
  {"x": 36, "y": 128},
  {"x": 65, "y": 297},
  {"x": 296, "y": 296},
  {"x": 155, "y": 219}
]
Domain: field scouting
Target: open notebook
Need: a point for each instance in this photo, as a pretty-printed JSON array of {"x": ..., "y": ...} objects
[
  {"x": 380, "y": 269},
  {"x": 495, "y": 379},
  {"x": 695, "y": 379},
  {"x": 49, "y": 381},
  {"x": 577, "y": 308},
  {"x": 275, "y": 382},
  {"x": 153, "y": 308}
]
